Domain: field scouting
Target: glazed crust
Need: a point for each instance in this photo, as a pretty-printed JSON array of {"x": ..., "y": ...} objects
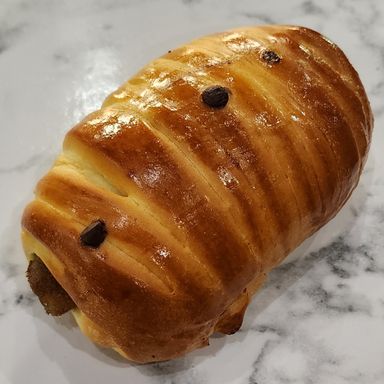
[{"x": 200, "y": 203}]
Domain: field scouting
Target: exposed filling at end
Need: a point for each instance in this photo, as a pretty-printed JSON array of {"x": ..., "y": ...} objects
[{"x": 51, "y": 294}]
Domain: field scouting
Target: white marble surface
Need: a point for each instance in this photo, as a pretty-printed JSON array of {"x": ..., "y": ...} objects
[{"x": 319, "y": 319}]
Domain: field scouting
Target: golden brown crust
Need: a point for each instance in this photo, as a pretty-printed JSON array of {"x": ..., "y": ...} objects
[{"x": 200, "y": 203}]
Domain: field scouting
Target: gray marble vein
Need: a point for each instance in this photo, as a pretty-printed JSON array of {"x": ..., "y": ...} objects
[
  {"x": 258, "y": 18},
  {"x": 312, "y": 8},
  {"x": 8, "y": 35},
  {"x": 33, "y": 161}
]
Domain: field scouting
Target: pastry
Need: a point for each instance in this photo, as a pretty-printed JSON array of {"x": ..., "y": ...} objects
[{"x": 168, "y": 207}]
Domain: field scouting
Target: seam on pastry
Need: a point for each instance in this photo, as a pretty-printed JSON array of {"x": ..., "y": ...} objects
[
  {"x": 182, "y": 243},
  {"x": 184, "y": 69},
  {"x": 187, "y": 152},
  {"x": 289, "y": 156},
  {"x": 81, "y": 162},
  {"x": 315, "y": 173},
  {"x": 71, "y": 159},
  {"x": 235, "y": 111},
  {"x": 303, "y": 142},
  {"x": 200, "y": 177},
  {"x": 122, "y": 202},
  {"x": 351, "y": 130},
  {"x": 174, "y": 144},
  {"x": 238, "y": 73},
  {"x": 314, "y": 177},
  {"x": 187, "y": 68},
  {"x": 338, "y": 99},
  {"x": 196, "y": 242},
  {"x": 294, "y": 101},
  {"x": 244, "y": 120},
  {"x": 353, "y": 77},
  {"x": 169, "y": 289}
]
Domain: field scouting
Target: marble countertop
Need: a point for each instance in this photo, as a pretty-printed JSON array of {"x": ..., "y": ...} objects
[{"x": 320, "y": 317}]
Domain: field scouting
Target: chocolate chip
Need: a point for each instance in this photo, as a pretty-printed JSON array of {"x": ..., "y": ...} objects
[
  {"x": 270, "y": 57},
  {"x": 94, "y": 234},
  {"x": 216, "y": 96}
]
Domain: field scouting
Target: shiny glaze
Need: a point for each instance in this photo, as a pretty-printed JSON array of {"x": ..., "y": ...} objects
[{"x": 200, "y": 203}]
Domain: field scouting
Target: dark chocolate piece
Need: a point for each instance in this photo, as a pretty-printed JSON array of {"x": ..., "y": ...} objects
[
  {"x": 271, "y": 57},
  {"x": 94, "y": 234},
  {"x": 51, "y": 294},
  {"x": 216, "y": 96}
]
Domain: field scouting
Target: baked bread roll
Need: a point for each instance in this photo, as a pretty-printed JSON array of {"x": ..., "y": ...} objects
[{"x": 168, "y": 207}]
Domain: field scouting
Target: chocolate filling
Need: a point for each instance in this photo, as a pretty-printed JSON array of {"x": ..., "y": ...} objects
[{"x": 51, "y": 294}]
